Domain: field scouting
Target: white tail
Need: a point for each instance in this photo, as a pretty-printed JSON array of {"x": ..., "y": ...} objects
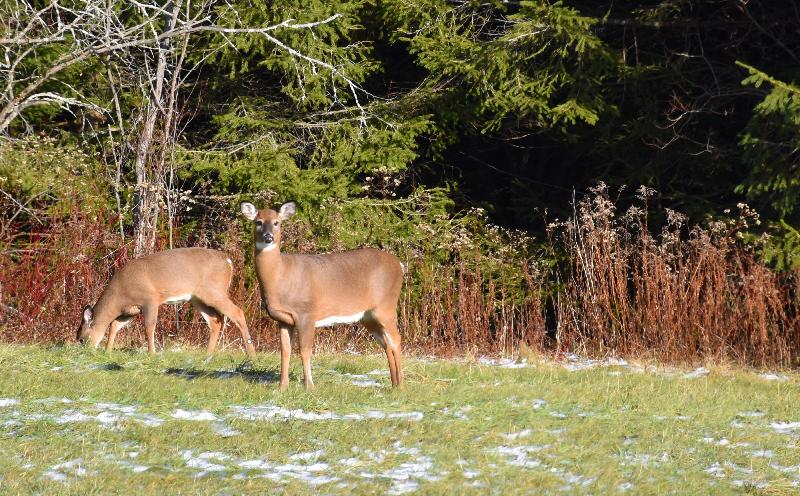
[
  {"x": 198, "y": 275},
  {"x": 303, "y": 292}
]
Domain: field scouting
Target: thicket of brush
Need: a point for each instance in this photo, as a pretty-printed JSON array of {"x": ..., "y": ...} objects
[{"x": 602, "y": 283}]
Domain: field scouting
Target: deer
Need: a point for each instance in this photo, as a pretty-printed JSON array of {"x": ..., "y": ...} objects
[
  {"x": 199, "y": 275},
  {"x": 305, "y": 292}
]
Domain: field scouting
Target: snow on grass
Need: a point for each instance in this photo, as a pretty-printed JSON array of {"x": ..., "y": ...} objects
[
  {"x": 62, "y": 471},
  {"x": 308, "y": 456},
  {"x": 644, "y": 459},
  {"x": 224, "y": 430},
  {"x": 769, "y": 376},
  {"x": 107, "y": 414},
  {"x": 696, "y": 373},
  {"x": 506, "y": 363},
  {"x": 750, "y": 414},
  {"x": 220, "y": 464},
  {"x": 624, "y": 487},
  {"x": 197, "y": 415},
  {"x": 270, "y": 411},
  {"x": 511, "y": 436},
  {"x": 785, "y": 427},
  {"x": 721, "y": 442},
  {"x": 4, "y": 402},
  {"x": 205, "y": 462},
  {"x": 112, "y": 414},
  {"x": 519, "y": 455}
]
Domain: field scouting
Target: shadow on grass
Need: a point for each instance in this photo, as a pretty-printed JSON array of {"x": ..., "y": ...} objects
[{"x": 249, "y": 375}]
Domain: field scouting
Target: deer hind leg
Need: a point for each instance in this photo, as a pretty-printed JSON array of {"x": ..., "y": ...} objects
[
  {"x": 286, "y": 350},
  {"x": 384, "y": 330},
  {"x": 116, "y": 325},
  {"x": 215, "y": 323},
  {"x": 150, "y": 314},
  {"x": 377, "y": 332},
  {"x": 226, "y": 307},
  {"x": 306, "y": 337}
]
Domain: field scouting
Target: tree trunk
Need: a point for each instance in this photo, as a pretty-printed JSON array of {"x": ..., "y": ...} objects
[{"x": 149, "y": 170}]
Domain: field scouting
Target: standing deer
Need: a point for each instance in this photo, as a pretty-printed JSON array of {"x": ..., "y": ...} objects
[
  {"x": 303, "y": 292},
  {"x": 199, "y": 275}
]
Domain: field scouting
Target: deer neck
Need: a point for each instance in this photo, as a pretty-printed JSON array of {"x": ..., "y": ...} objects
[
  {"x": 269, "y": 268},
  {"x": 105, "y": 311}
]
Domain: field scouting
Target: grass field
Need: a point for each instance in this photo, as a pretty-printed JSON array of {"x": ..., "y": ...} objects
[{"x": 74, "y": 421}]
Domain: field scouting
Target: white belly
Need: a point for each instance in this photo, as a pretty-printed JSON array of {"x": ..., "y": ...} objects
[
  {"x": 178, "y": 298},
  {"x": 339, "y": 319}
]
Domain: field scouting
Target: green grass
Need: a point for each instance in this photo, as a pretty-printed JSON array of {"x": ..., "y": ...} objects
[{"x": 540, "y": 429}]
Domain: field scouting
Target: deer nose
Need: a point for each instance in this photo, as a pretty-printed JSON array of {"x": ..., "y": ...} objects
[{"x": 268, "y": 238}]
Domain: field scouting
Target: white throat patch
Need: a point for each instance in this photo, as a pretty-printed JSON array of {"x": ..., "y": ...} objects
[{"x": 265, "y": 247}]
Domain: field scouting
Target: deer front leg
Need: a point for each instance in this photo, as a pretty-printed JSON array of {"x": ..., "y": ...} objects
[
  {"x": 286, "y": 350},
  {"x": 306, "y": 335},
  {"x": 150, "y": 318},
  {"x": 116, "y": 325}
]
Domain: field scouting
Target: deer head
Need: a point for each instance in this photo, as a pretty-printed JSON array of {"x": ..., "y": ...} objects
[{"x": 267, "y": 224}]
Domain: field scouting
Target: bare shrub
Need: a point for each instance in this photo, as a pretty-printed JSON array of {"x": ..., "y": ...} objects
[{"x": 605, "y": 285}]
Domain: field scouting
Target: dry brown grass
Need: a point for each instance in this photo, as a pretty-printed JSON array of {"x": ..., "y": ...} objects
[{"x": 688, "y": 294}]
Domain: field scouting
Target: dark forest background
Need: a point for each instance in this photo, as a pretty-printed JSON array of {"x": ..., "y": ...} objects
[{"x": 484, "y": 142}]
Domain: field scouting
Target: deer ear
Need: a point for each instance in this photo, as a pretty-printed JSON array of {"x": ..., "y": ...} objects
[
  {"x": 88, "y": 313},
  {"x": 248, "y": 210},
  {"x": 287, "y": 210}
]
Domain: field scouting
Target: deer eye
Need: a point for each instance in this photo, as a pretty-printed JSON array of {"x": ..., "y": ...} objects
[
  {"x": 259, "y": 223},
  {"x": 276, "y": 223}
]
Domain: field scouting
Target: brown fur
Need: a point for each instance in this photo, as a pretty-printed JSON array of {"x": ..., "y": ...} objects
[
  {"x": 301, "y": 290},
  {"x": 142, "y": 285}
]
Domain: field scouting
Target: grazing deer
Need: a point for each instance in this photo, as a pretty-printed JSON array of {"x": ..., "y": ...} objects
[
  {"x": 199, "y": 275},
  {"x": 303, "y": 292}
]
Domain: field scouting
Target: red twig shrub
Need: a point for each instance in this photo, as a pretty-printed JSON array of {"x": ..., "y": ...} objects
[{"x": 686, "y": 294}]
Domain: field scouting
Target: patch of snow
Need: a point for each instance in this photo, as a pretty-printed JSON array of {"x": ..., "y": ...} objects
[
  {"x": 269, "y": 411},
  {"x": 307, "y": 456},
  {"x": 519, "y": 455},
  {"x": 366, "y": 383},
  {"x": 750, "y": 414},
  {"x": 204, "y": 462},
  {"x": 54, "y": 475},
  {"x": 8, "y": 402},
  {"x": 224, "y": 430},
  {"x": 715, "y": 470},
  {"x": 516, "y": 435},
  {"x": 644, "y": 459},
  {"x": 538, "y": 403},
  {"x": 795, "y": 469},
  {"x": 107, "y": 414},
  {"x": 61, "y": 472},
  {"x": 506, "y": 363},
  {"x": 769, "y": 376},
  {"x": 198, "y": 415},
  {"x": 698, "y": 372},
  {"x": 710, "y": 440},
  {"x": 785, "y": 427}
]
